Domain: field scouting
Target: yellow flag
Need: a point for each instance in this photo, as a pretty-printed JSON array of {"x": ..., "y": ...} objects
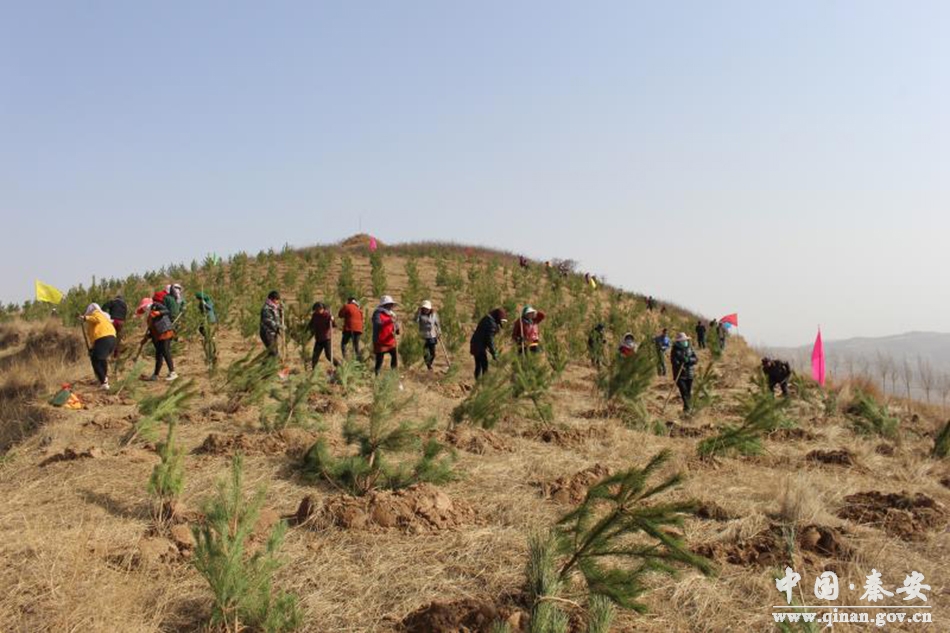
[{"x": 47, "y": 293}]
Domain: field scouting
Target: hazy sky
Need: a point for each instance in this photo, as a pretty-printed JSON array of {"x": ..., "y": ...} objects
[{"x": 789, "y": 161}]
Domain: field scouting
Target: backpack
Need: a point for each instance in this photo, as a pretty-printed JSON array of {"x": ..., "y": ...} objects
[{"x": 162, "y": 324}]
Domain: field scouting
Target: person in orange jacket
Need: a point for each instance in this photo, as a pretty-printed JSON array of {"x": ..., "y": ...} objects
[
  {"x": 525, "y": 333},
  {"x": 100, "y": 338},
  {"x": 352, "y": 317}
]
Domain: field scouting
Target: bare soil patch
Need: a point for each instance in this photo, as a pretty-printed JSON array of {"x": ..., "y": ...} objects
[
  {"x": 564, "y": 437},
  {"x": 293, "y": 442},
  {"x": 477, "y": 440},
  {"x": 573, "y": 489},
  {"x": 770, "y": 547},
  {"x": 906, "y": 516},
  {"x": 69, "y": 454},
  {"x": 836, "y": 457},
  {"x": 462, "y": 616},
  {"x": 419, "y": 508}
]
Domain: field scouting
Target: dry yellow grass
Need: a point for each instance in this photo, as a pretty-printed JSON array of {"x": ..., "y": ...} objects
[{"x": 72, "y": 533}]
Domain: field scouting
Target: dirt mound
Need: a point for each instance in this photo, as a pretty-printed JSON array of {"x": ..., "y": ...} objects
[
  {"x": 293, "y": 442},
  {"x": 477, "y": 440},
  {"x": 884, "y": 449},
  {"x": 566, "y": 437},
  {"x": 69, "y": 454},
  {"x": 573, "y": 489},
  {"x": 770, "y": 547},
  {"x": 358, "y": 241},
  {"x": 419, "y": 508},
  {"x": 905, "y": 516},
  {"x": 838, "y": 457},
  {"x": 681, "y": 430},
  {"x": 611, "y": 410},
  {"x": 463, "y": 616},
  {"x": 794, "y": 435}
]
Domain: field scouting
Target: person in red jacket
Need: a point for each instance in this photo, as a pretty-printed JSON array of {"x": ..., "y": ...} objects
[
  {"x": 321, "y": 326},
  {"x": 525, "y": 333},
  {"x": 385, "y": 329},
  {"x": 352, "y": 317}
]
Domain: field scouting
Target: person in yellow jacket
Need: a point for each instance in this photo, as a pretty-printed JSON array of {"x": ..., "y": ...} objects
[{"x": 100, "y": 338}]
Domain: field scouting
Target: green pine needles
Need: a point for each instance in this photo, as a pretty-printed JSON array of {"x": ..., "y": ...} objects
[
  {"x": 762, "y": 414},
  {"x": 531, "y": 381},
  {"x": 488, "y": 402},
  {"x": 292, "y": 402},
  {"x": 942, "y": 443},
  {"x": 249, "y": 379},
  {"x": 168, "y": 477},
  {"x": 159, "y": 409},
  {"x": 378, "y": 274},
  {"x": 378, "y": 440},
  {"x": 239, "y": 574},
  {"x": 870, "y": 418},
  {"x": 625, "y": 382},
  {"x": 619, "y": 536}
]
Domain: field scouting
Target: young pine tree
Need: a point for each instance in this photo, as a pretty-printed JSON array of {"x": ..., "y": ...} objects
[
  {"x": 610, "y": 544},
  {"x": 378, "y": 274},
  {"x": 762, "y": 414},
  {"x": 626, "y": 380},
  {"x": 487, "y": 403},
  {"x": 531, "y": 381},
  {"x": 377, "y": 440},
  {"x": 942, "y": 443},
  {"x": 870, "y": 418},
  {"x": 156, "y": 410},
  {"x": 241, "y": 579},
  {"x": 168, "y": 477},
  {"x": 292, "y": 402}
]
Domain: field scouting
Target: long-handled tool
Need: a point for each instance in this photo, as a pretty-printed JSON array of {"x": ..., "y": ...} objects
[{"x": 673, "y": 386}]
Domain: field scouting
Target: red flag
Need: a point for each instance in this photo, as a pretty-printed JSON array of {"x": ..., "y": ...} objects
[
  {"x": 730, "y": 318},
  {"x": 818, "y": 361},
  {"x": 372, "y": 244}
]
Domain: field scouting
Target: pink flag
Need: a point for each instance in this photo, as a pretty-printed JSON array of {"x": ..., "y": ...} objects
[
  {"x": 372, "y": 244},
  {"x": 818, "y": 361}
]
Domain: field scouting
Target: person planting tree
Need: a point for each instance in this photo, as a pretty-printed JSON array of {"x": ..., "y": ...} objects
[
  {"x": 596, "y": 341},
  {"x": 628, "y": 346},
  {"x": 778, "y": 372},
  {"x": 321, "y": 326},
  {"x": 683, "y": 360},
  {"x": 430, "y": 329},
  {"x": 385, "y": 329},
  {"x": 174, "y": 301},
  {"x": 482, "y": 342},
  {"x": 100, "y": 340},
  {"x": 526, "y": 334},
  {"x": 352, "y": 317},
  {"x": 272, "y": 323},
  {"x": 160, "y": 330},
  {"x": 118, "y": 310}
]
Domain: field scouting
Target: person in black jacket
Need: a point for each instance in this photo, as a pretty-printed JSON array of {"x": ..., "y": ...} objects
[
  {"x": 483, "y": 340},
  {"x": 701, "y": 334},
  {"x": 118, "y": 311},
  {"x": 683, "y": 359},
  {"x": 778, "y": 372}
]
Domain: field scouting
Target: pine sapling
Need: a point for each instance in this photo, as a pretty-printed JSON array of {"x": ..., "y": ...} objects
[
  {"x": 763, "y": 413},
  {"x": 168, "y": 477},
  {"x": 350, "y": 374},
  {"x": 156, "y": 410},
  {"x": 625, "y": 382},
  {"x": 487, "y": 403},
  {"x": 378, "y": 274},
  {"x": 942, "y": 443},
  {"x": 531, "y": 381},
  {"x": 241, "y": 579},
  {"x": 382, "y": 436},
  {"x": 870, "y": 418},
  {"x": 249, "y": 379},
  {"x": 293, "y": 403}
]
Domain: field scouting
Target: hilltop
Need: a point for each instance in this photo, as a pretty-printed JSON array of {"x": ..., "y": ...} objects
[{"x": 834, "y": 486}]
